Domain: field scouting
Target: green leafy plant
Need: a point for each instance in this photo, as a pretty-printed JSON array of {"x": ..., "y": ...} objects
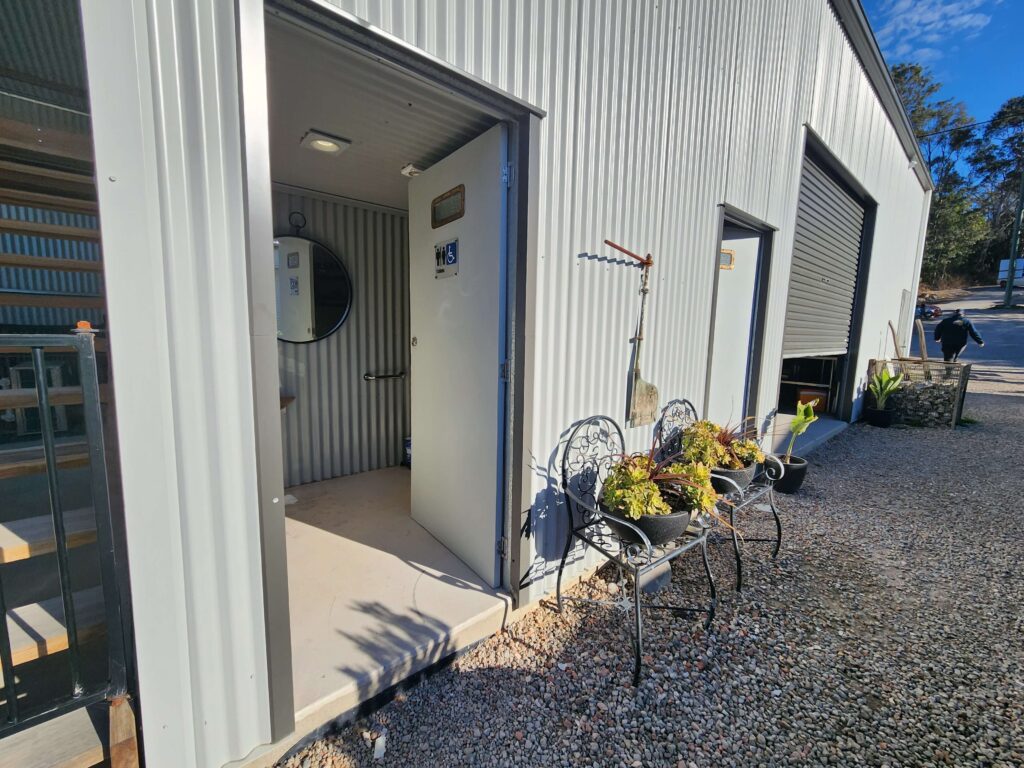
[
  {"x": 700, "y": 444},
  {"x": 630, "y": 488},
  {"x": 640, "y": 485},
  {"x": 747, "y": 452},
  {"x": 694, "y": 492},
  {"x": 731, "y": 447},
  {"x": 882, "y": 385},
  {"x": 805, "y": 416}
]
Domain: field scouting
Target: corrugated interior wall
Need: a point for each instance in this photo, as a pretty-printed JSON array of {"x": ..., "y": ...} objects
[
  {"x": 656, "y": 114},
  {"x": 340, "y": 424}
]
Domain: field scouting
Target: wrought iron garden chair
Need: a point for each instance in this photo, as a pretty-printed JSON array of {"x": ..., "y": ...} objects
[
  {"x": 593, "y": 448},
  {"x": 679, "y": 414}
]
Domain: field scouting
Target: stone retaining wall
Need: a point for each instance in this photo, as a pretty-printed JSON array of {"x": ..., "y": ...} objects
[
  {"x": 927, "y": 403},
  {"x": 932, "y": 391}
]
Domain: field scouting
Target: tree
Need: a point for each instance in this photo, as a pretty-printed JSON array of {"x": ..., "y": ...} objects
[
  {"x": 943, "y": 126},
  {"x": 956, "y": 224},
  {"x": 998, "y": 161}
]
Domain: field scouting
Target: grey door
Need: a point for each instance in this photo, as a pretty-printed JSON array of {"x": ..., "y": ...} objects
[{"x": 826, "y": 252}]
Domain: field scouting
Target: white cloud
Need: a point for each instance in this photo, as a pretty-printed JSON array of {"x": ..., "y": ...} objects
[{"x": 914, "y": 30}]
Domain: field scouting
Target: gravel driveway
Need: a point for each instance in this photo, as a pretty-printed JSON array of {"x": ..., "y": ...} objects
[{"x": 890, "y": 632}]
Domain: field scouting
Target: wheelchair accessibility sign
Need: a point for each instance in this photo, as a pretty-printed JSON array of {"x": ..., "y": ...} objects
[{"x": 446, "y": 259}]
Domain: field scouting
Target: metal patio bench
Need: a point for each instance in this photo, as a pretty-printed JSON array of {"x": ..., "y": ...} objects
[
  {"x": 759, "y": 496},
  {"x": 594, "y": 446}
]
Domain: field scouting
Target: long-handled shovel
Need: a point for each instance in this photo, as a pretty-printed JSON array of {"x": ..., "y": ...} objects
[{"x": 643, "y": 401}]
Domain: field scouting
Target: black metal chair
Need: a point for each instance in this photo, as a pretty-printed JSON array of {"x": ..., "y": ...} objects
[
  {"x": 753, "y": 498},
  {"x": 593, "y": 448},
  {"x": 678, "y": 415}
]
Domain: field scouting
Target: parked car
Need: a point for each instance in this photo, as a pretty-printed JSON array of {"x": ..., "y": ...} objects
[{"x": 928, "y": 311}]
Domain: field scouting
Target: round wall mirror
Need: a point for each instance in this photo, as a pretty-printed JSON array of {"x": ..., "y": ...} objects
[{"x": 314, "y": 291}]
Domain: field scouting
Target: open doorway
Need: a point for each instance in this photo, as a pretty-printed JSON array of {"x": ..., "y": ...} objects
[
  {"x": 393, "y": 394},
  {"x": 737, "y": 325}
]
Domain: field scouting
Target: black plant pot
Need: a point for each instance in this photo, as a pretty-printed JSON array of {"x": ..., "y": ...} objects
[
  {"x": 659, "y": 529},
  {"x": 793, "y": 477},
  {"x": 879, "y": 417},
  {"x": 742, "y": 478}
]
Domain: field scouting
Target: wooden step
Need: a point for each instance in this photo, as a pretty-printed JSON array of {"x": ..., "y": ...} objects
[
  {"x": 100, "y": 345},
  {"x": 75, "y": 740},
  {"x": 40, "y": 229},
  {"x": 18, "y": 462},
  {"x": 38, "y": 630},
  {"x": 23, "y": 168},
  {"x": 24, "y": 467},
  {"x": 49, "y": 262},
  {"x": 31, "y": 199},
  {"x": 51, "y": 300},
  {"x": 33, "y": 536},
  {"x": 26, "y": 397}
]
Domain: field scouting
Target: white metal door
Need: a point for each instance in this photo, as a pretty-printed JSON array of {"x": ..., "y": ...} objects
[
  {"x": 734, "y": 316},
  {"x": 457, "y": 319}
]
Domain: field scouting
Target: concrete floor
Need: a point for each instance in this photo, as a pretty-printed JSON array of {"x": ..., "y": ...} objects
[
  {"x": 818, "y": 433},
  {"x": 374, "y": 597}
]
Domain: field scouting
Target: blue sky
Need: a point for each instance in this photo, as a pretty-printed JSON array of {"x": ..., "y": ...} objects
[{"x": 972, "y": 46}]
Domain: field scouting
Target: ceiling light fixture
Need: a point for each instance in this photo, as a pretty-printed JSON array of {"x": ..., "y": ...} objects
[
  {"x": 411, "y": 170},
  {"x": 324, "y": 142}
]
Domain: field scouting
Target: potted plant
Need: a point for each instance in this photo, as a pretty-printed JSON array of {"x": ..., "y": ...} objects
[
  {"x": 660, "y": 498},
  {"x": 796, "y": 467},
  {"x": 882, "y": 385},
  {"x": 730, "y": 450}
]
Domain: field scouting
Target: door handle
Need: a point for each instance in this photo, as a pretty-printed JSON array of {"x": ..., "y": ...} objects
[{"x": 382, "y": 376}]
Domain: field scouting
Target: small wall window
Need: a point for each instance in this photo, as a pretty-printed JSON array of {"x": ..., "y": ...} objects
[{"x": 446, "y": 208}]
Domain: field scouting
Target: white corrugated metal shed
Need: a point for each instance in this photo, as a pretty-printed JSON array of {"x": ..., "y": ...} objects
[{"x": 657, "y": 113}]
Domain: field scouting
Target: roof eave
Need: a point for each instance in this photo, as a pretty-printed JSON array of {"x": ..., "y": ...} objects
[{"x": 858, "y": 30}]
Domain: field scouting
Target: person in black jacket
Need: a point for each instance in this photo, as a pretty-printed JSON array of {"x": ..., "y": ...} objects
[{"x": 952, "y": 334}]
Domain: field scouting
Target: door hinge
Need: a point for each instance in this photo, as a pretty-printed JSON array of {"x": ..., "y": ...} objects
[
  {"x": 505, "y": 370},
  {"x": 502, "y": 546},
  {"x": 508, "y": 174}
]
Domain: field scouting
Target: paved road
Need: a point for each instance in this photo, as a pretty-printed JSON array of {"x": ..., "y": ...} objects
[{"x": 999, "y": 367}]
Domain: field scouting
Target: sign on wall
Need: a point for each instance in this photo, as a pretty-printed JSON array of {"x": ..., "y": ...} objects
[{"x": 446, "y": 259}]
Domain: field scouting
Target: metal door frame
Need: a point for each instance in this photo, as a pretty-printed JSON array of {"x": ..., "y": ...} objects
[
  {"x": 345, "y": 29},
  {"x": 728, "y": 214},
  {"x": 816, "y": 149}
]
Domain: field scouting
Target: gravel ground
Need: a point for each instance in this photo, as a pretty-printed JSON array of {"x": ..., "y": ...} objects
[{"x": 890, "y": 632}]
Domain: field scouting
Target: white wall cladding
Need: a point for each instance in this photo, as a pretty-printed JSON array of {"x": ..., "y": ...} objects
[
  {"x": 340, "y": 424},
  {"x": 658, "y": 113},
  {"x": 169, "y": 167}
]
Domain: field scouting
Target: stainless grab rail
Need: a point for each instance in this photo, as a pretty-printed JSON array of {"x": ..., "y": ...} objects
[{"x": 382, "y": 376}]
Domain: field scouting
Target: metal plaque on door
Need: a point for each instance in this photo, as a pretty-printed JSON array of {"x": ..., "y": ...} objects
[{"x": 446, "y": 259}]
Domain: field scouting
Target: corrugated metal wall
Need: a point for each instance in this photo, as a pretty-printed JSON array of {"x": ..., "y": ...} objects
[
  {"x": 657, "y": 113},
  {"x": 340, "y": 424},
  {"x": 49, "y": 281}
]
